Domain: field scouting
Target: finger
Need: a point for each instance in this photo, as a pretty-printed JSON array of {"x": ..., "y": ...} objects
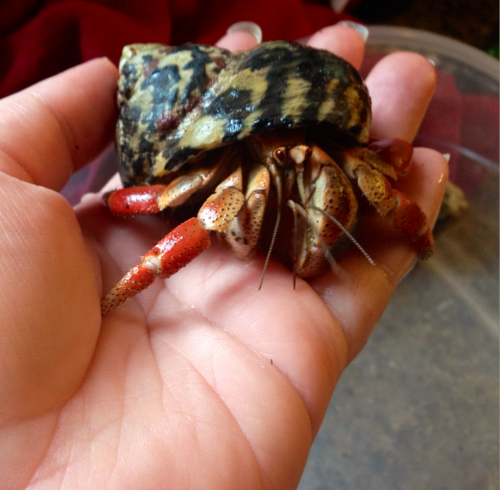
[
  {"x": 401, "y": 86},
  {"x": 359, "y": 296},
  {"x": 341, "y": 40},
  {"x": 50, "y": 294},
  {"x": 237, "y": 41},
  {"x": 57, "y": 126}
]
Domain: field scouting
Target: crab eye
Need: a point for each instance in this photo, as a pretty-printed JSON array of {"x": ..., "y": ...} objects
[{"x": 280, "y": 154}]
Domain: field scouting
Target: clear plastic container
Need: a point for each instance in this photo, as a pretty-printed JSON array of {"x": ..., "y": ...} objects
[
  {"x": 419, "y": 407},
  {"x": 462, "y": 118}
]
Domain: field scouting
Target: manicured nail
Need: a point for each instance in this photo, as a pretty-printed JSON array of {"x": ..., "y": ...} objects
[
  {"x": 359, "y": 28},
  {"x": 250, "y": 27}
]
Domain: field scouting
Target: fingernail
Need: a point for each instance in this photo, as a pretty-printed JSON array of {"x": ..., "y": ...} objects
[
  {"x": 359, "y": 28},
  {"x": 250, "y": 27}
]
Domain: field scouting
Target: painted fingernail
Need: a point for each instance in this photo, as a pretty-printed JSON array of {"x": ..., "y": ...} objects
[
  {"x": 250, "y": 27},
  {"x": 359, "y": 28}
]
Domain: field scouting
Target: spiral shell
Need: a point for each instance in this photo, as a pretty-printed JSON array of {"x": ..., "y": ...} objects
[{"x": 177, "y": 102}]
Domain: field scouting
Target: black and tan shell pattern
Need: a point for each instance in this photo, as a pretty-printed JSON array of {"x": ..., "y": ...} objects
[{"x": 177, "y": 102}]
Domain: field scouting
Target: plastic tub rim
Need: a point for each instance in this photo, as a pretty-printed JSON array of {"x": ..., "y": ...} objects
[{"x": 405, "y": 38}]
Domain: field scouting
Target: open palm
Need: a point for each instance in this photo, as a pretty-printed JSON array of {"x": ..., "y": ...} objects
[{"x": 202, "y": 381}]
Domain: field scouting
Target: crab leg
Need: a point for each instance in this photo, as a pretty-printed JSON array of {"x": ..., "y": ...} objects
[
  {"x": 151, "y": 199},
  {"x": 322, "y": 185},
  {"x": 405, "y": 216},
  {"x": 244, "y": 231},
  {"x": 176, "y": 250},
  {"x": 223, "y": 205},
  {"x": 410, "y": 221}
]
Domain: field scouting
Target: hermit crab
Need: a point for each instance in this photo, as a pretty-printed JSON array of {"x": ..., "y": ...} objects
[{"x": 281, "y": 130}]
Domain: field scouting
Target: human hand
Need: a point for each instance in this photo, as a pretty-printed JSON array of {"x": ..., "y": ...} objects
[{"x": 202, "y": 381}]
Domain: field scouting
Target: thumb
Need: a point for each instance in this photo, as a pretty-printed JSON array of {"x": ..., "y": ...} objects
[{"x": 49, "y": 293}]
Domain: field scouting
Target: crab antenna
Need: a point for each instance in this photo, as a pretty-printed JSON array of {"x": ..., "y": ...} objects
[
  {"x": 353, "y": 240},
  {"x": 293, "y": 205},
  {"x": 278, "y": 184}
]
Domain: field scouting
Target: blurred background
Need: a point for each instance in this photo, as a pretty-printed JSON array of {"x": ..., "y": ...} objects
[{"x": 472, "y": 22}]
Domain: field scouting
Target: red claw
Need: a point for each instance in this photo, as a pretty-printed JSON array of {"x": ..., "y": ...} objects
[
  {"x": 134, "y": 200},
  {"x": 175, "y": 251}
]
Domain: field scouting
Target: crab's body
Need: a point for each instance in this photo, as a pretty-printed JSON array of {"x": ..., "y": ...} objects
[{"x": 237, "y": 131}]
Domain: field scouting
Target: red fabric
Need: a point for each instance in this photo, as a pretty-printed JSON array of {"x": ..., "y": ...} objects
[{"x": 41, "y": 38}]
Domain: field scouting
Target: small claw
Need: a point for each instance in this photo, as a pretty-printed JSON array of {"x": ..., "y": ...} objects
[{"x": 175, "y": 251}]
